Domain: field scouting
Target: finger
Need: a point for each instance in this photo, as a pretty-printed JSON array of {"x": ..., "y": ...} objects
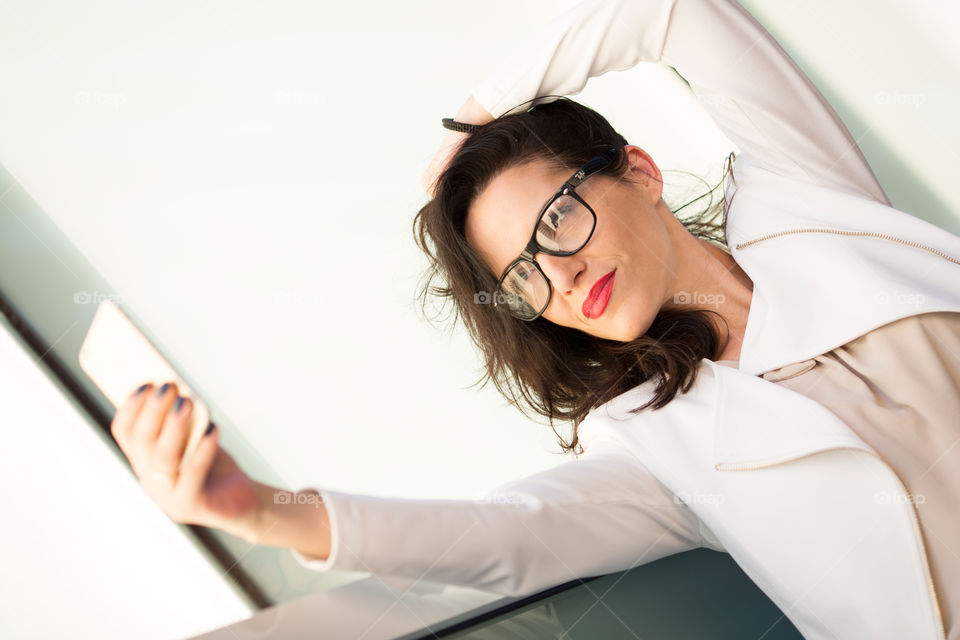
[
  {"x": 123, "y": 420},
  {"x": 151, "y": 417},
  {"x": 172, "y": 441},
  {"x": 197, "y": 468}
]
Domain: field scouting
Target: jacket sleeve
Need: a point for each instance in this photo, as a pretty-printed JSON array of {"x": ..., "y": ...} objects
[
  {"x": 600, "y": 513},
  {"x": 752, "y": 89}
]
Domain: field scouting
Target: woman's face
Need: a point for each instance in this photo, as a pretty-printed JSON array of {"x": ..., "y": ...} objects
[{"x": 633, "y": 238}]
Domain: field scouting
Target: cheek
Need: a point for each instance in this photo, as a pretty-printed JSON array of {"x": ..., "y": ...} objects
[
  {"x": 613, "y": 239},
  {"x": 559, "y": 315},
  {"x": 616, "y": 222}
]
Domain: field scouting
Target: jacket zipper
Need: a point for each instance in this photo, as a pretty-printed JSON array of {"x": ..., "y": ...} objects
[
  {"x": 913, "y": 511},
  {"x": 884, "y": 236},
  {"x": 913, "y": 507}
]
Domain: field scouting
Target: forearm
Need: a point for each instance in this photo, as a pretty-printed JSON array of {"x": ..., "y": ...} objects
[
  {"x": 601, "y": 513},
  {"x": 472, "y": 113},
  {"x": 297, "y": 520},
  {"x": 755, "y": 93},
  {"x": 589, "y": 39}
]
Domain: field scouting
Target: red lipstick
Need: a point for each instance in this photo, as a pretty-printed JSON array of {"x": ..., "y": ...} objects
[{"x": 599, "y": 295}]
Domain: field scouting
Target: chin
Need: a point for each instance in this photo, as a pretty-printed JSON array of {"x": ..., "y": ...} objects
[
  {"x": 628, "y": 331},
  {"x": 619, "y": 334}
]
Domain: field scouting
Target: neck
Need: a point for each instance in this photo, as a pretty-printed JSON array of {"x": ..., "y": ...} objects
[{"x": 714, "y": 281}]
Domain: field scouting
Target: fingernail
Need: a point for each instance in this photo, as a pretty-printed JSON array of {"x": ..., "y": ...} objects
[
  {"x": 162, "y": 390},
  {"x": 209, "y": 430},
  {"x": 177, "y": 404},
  {"x": 142, "y": 388}
]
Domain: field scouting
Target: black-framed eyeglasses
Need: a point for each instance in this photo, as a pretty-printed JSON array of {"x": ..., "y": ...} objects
[{"x": 565, "y": 225}]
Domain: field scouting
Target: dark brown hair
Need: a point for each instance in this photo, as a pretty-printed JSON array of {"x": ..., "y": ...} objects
[{"x": 557, "y": 372}]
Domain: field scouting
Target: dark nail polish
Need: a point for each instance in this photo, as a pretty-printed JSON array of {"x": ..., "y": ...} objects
[
  {"x": 162, "y": 390},
  {"x": 177, "y": 404},
  {"x": 209, "y": 430},
  {"x": 142, "y": 388}
]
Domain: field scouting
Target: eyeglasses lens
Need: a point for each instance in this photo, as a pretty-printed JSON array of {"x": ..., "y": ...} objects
[{"x": 564, "y": 227}]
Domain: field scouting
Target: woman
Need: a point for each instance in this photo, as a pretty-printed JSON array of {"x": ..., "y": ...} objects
[{"x": 796, "y": 428}]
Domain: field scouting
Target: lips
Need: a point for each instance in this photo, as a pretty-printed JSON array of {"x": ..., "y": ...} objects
[{"x": 599, "y": 295}]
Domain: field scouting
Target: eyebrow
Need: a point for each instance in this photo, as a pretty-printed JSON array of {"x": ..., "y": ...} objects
[{"x": 543, "y": 207}]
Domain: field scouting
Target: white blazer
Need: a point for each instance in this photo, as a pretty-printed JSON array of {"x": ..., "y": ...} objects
[{"x": 737, "y": 464}]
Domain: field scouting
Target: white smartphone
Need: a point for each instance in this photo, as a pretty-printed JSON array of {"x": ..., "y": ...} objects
[{"x": 119, "y": 358}]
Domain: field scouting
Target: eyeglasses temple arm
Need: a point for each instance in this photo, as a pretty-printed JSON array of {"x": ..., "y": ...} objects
[{"x": 592, "y": 166}]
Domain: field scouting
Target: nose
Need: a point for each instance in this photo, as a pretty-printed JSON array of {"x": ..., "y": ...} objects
[{"x": 560, "y": 270}]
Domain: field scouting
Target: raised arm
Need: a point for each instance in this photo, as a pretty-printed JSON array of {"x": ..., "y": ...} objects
[
  {"x": 601, "y": 513},
  {"x": 753, "y": 90}
]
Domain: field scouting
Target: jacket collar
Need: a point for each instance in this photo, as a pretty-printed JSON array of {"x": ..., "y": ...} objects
[
  {"x": 753, "y": 422},
  {"x": 781, "y": 425},
  {"x": 828, "y": 267}
]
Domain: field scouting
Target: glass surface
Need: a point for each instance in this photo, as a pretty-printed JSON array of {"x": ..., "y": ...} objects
[
  {"x": 74, "y": 518},
  {"x": 668, "y": 598}
]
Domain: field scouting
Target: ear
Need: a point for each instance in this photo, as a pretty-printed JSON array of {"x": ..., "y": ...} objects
[{"x": 644, "y": 169}]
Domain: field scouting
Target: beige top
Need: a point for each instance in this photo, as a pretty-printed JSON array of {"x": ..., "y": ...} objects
[{"x": 898, "y": 388}]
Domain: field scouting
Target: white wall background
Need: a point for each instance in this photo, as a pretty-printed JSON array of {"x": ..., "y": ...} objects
[{"x": 245, "y": 175}]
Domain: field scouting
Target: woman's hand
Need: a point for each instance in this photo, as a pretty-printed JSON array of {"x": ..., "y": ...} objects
[
  {"x": 470, "y": 113},
  {"x": 209, "y": 489}
]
